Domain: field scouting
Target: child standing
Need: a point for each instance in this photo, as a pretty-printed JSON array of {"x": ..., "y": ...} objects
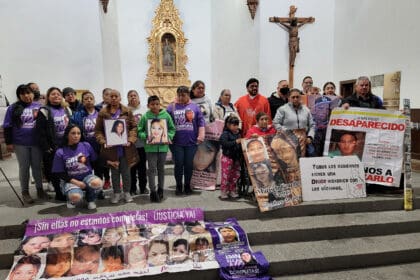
[
  {"x": 231, "y": 154},
  {"x": 261, "y": 128},
  {"x": 156, "y": 150}
]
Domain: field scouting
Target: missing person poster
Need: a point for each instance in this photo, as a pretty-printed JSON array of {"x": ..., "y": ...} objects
[
  {"x": 115, "y": 245},
  {"x": 115, "y": 132},
  {"x": 273, "y": 165},
  {"x": 375, "y": 136},
  {"x": 235, "y": 257},
  {"x": 332, "y": 178}
]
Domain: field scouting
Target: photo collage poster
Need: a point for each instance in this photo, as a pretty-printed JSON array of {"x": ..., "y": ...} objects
[
  {"x": 273, "y": 166},
  {"x": 115, "y": 245}
]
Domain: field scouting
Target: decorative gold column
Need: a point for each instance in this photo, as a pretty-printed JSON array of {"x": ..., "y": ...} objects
[{"x": 167, "y": 56}]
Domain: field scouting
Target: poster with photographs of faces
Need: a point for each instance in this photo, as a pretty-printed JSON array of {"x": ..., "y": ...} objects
[
  {"x": 273, "y": 166},
  {"x": 157, "y": 132},
  {"x": 114, "y": 245}
]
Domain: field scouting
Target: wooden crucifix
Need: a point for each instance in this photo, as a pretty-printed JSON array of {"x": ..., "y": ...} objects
[{"x": 291, "y": 24}]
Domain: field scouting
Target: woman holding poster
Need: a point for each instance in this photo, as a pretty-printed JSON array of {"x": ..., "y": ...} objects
[{"x": 120, "y": 158}]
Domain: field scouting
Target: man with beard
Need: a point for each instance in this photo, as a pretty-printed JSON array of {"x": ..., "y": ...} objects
[
  {"x": 279, "y": 97},
  {"x": 251, "y": 104}
]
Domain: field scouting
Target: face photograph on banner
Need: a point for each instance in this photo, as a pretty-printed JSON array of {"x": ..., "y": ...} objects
[
  {"x": 346, "y": 143},
  {"x": 115, "y": 132},
  {"x": 256, "y": 150},
  {"x": 157, "y": 131},
  {"x": 205, "y": 165}
]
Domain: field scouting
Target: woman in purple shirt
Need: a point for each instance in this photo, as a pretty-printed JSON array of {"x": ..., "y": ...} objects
[
  {"x": 189, "y": 124},
  {"x": 72, "y": 164},
  {"x": 53, "y": 119},
  {"x": 19, "y": 131}
]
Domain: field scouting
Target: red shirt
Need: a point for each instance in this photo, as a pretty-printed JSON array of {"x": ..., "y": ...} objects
[
  {"x": 248, "y": 108},
  {"x": 258, "y": 130}
]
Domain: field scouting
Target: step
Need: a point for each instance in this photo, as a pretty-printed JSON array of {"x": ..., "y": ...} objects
[
  {"x": 328, "y": 227},
  {"x": 409, "y": 271},
  {"x": 13, "y": 215},
  {"x": 329, "y": 255}
]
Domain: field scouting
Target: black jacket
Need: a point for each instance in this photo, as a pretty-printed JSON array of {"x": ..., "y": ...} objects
[
  {"x": 275, "y": 103},
  {"x": 229, "y": 146},
  {"x": 372, "y": 101}
]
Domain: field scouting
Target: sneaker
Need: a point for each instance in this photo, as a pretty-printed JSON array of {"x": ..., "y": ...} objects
[
  {"x": 70, "y": 205},
  {"x": 223, "y": 196},
  {"x": 145, "y": 191},
  {"x": 127, "y": 197},
  {"x": 91, "y": 205},
  {"x": 50, "y": 187},
  {"x": 234, "y": 195},
  {"x": 41, "y": 194},
  {"x": 107, "y": 185},
  {"x": 116, "y": 198},
  {"x": 27, "y": 198}
]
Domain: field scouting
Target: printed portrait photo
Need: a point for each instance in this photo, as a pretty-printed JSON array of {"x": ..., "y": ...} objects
[
  {"x": 157, "y": 131},
  {"x": 227, "y": 234},
  {"x": 115, "y": 132},
  {"x": 346, "y": 143},
  {"x": 256, "y": 150}
]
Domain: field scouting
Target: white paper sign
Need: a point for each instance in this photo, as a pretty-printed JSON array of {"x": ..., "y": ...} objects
[{"x": 332, "y": 178}]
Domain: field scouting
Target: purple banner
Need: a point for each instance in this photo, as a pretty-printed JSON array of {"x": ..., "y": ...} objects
[{"x": 110, "y": 220}]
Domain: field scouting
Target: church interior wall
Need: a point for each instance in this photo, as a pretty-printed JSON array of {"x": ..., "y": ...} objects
[
  {"x": 234, "y": 47},
  {"x": 316, "y": 43},
  {"x": 376, "y": 37},
  {"x": 73, "y": 43},
  {"x": 55, "y": 43}
]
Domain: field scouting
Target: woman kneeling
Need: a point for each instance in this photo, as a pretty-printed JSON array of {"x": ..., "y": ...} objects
[{"x": 72, "y": 163}]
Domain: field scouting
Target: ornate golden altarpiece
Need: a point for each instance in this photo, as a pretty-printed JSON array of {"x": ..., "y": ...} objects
[{"x": 167, "y": 56}]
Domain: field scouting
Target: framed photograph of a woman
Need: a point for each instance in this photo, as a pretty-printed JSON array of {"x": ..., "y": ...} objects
[
  {"x": 115, "y": 132},
  {"x": 157, "y": 131}
]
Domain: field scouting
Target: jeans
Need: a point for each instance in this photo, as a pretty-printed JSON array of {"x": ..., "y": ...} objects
[
  {"x": 69, "y": 188},
  {"x": 156, "y": 166},
  {"x": 124, "y": 171},
  {"x": 139, "y": 170},
  {"x": 183, "y": 159},
  {"x": 29, "y": 157}
]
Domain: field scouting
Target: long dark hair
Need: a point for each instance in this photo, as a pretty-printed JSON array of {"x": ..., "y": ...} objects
[
  {"x": 231, "y": 119},
  {"x": 194, "y": 86},
  {"x": 67, "y": 131}
]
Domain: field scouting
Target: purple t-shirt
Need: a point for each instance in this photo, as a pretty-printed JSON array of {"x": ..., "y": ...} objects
[
  {"x": 24, "y": 135},
  {"x": 74, "y": 162},
  {"x": 61, "y": 120},
  {"x": 187, "y": 119},
  {"x": 89, "y": 123}
]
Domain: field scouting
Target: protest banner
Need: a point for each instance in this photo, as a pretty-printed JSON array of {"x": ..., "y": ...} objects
[
  {"x": 273, "y": 165},
  {"x": 207, "y": 158},
  {"x": 375, "y": 136},
  {"x": 115, "y": 245},
  {"x": 332, "y": 178},
  {"x": 232, "y": 251}
]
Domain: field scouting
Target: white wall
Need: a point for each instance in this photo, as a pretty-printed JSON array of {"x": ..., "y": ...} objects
[
  {"x": 234, "y": 48},
  {"x": 134, "y": 25},
  {"x": 376, "y": 37},
  {"x": 54, "y": 43},
  {"x": 316, "y": 43}
]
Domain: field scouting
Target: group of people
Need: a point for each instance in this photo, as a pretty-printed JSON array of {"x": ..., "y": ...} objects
[{"x": 73, "y": 141}]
